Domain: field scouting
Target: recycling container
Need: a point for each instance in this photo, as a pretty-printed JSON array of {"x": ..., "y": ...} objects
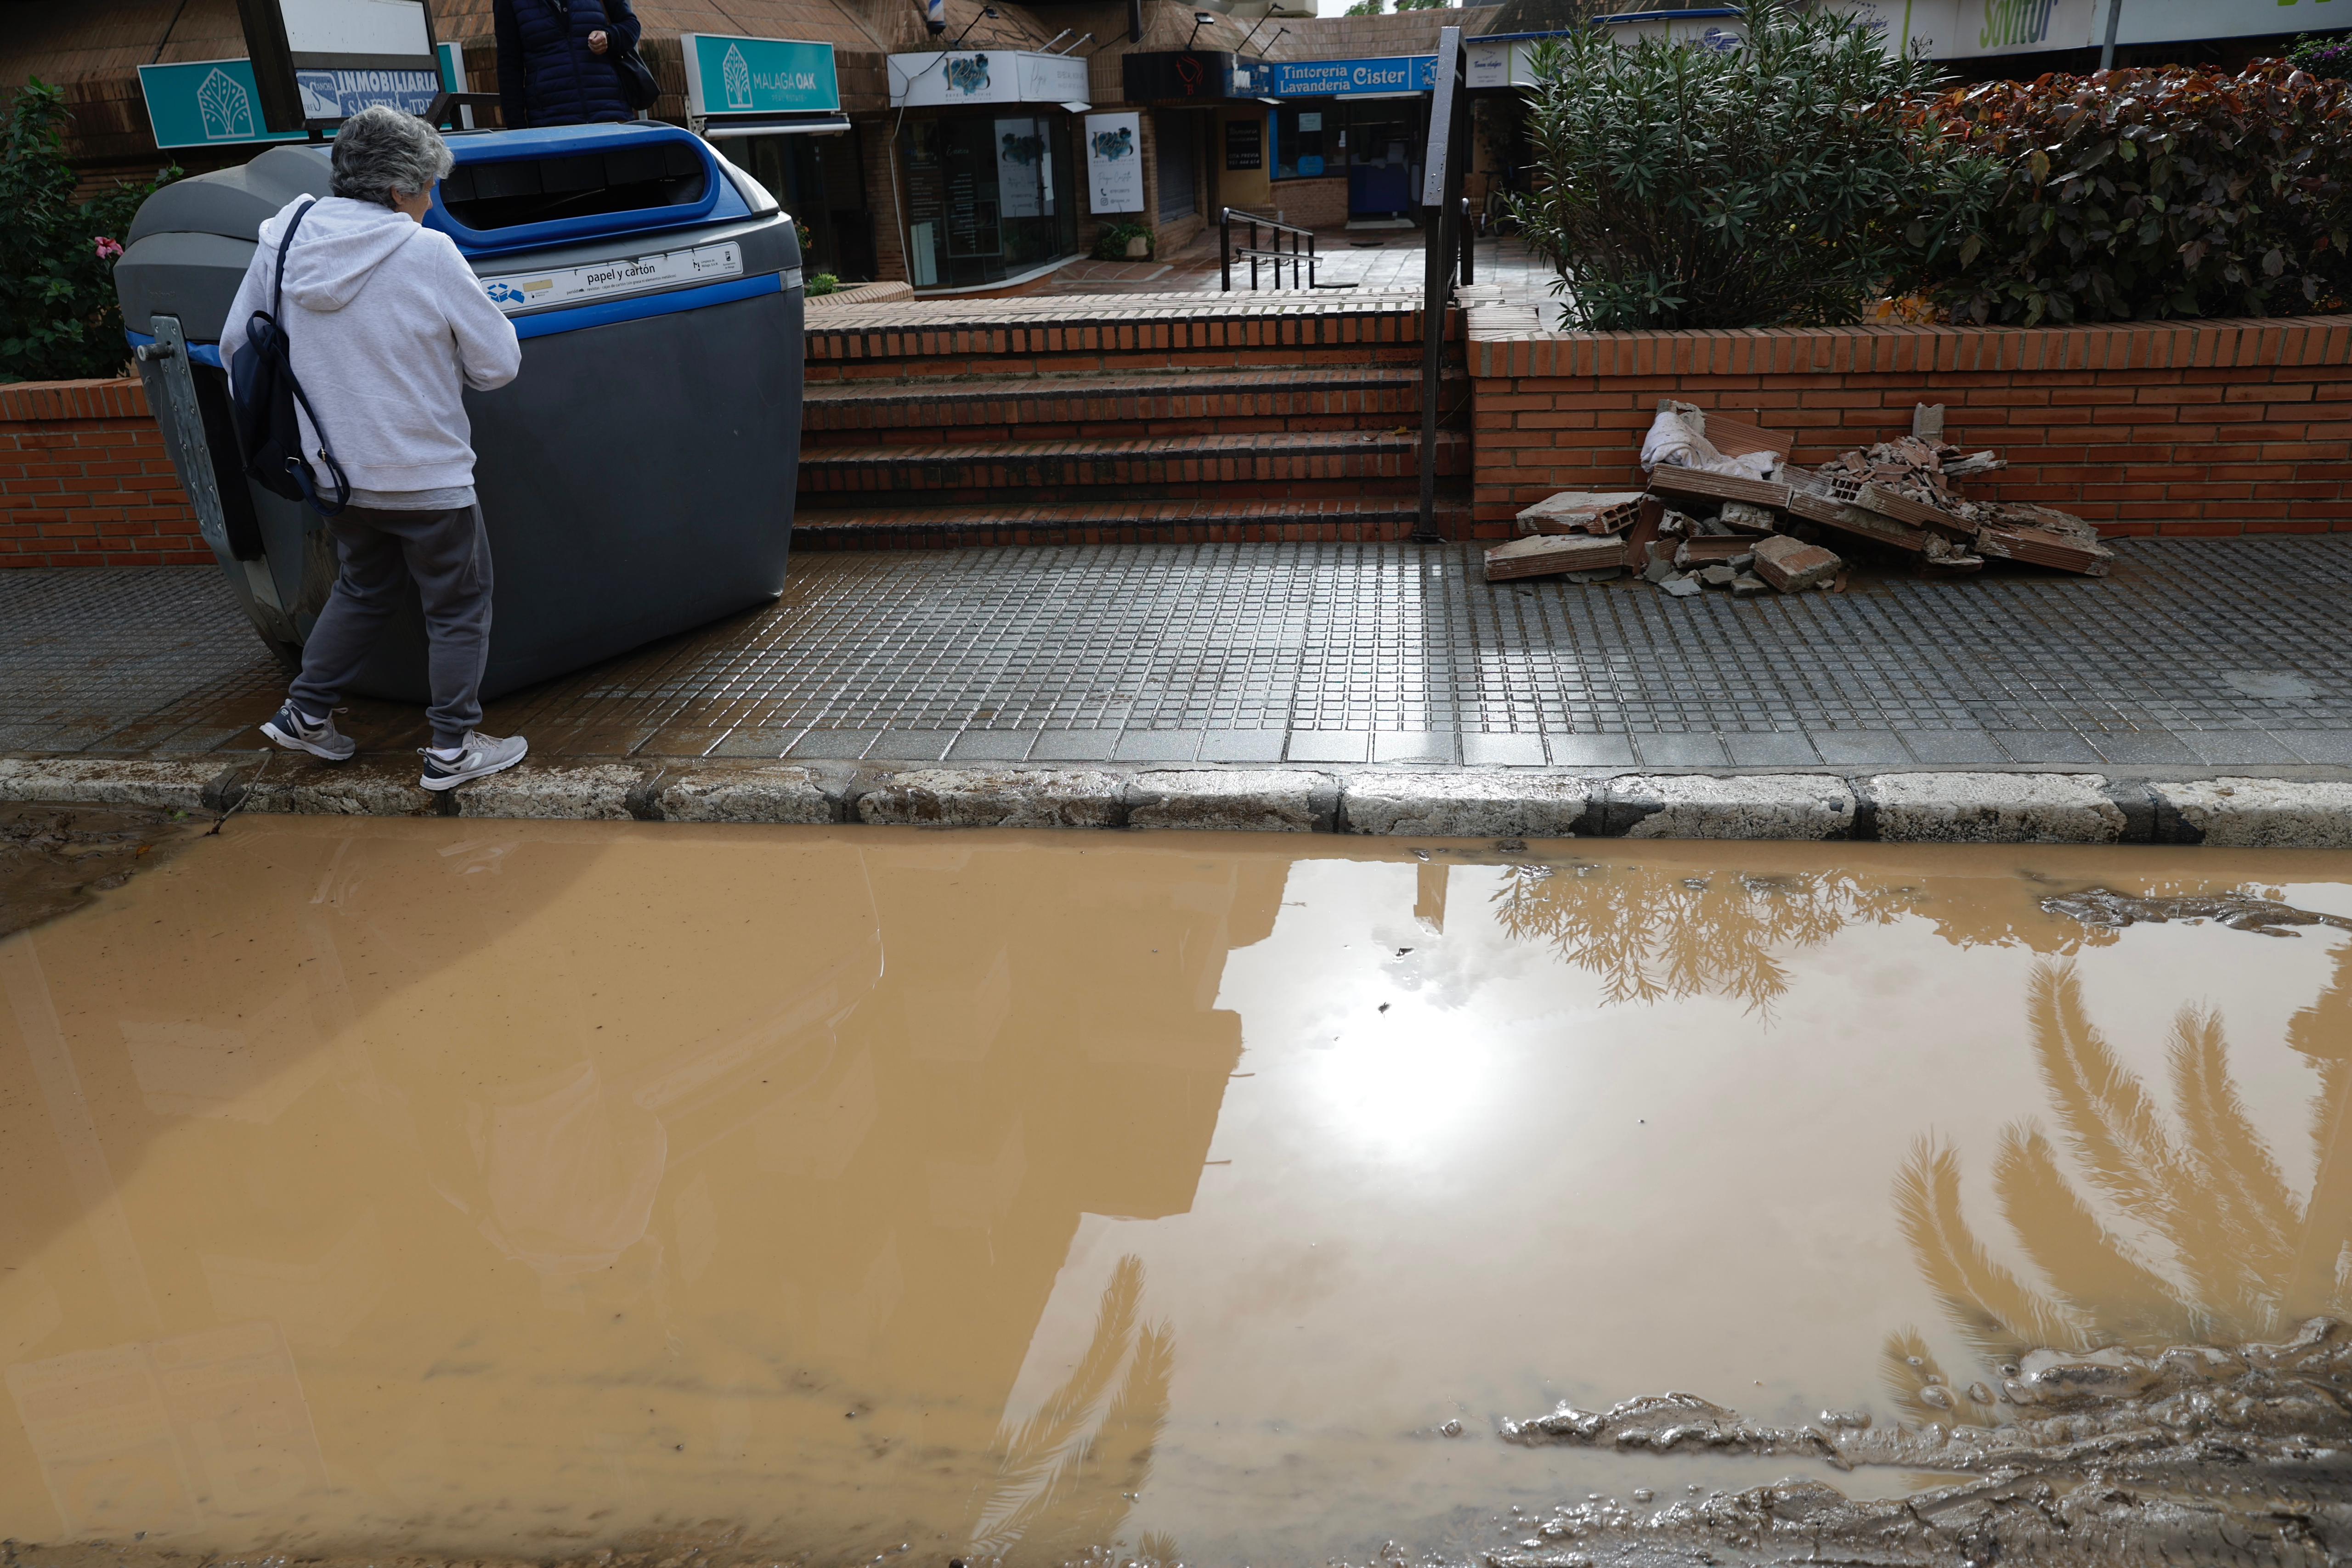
[{"x": 637, "y": 479}]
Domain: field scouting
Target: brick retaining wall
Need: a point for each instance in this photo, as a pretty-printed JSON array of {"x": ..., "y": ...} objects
[
  {"x": 84, "y": 480},
  {"x": 2213, "y": 427},
  {"x": 2209, "y": 427}
]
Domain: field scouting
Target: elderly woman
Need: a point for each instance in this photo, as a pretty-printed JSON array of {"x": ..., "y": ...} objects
[{"x": 388, "y": 327}]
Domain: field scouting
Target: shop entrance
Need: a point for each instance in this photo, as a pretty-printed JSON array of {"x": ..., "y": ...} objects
[
  {"x": 1384, "y": 159},
  {"x": 988, "y": 197}
]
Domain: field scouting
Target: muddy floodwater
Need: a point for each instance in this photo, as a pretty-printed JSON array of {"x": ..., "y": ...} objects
[{"x": 462, "y": 1189}]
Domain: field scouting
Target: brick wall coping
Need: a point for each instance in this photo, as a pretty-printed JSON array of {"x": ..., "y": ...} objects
[
  {"x": 26, "y": 403},
  {"x": 1106, "y": 309},
  {"x": 1504, "y": 341}
]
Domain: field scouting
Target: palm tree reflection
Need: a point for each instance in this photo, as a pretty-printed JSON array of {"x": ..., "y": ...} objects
[
  {"x": 1658, "y": 934},
  {"x": 2188, "y": 1231},
  {"x": 1063, "y": 1478}
]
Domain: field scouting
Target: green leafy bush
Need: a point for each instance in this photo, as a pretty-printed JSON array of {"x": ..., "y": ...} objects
[
  {"x": 2167, "y": 192},
  {"x": 58, "y": 316},
  {"x": 821, "y": 284},
  {"x": 2323, "y": 54},
  {"x": 1781, "y": 182},
  {"x": 1111, "y": 240}
]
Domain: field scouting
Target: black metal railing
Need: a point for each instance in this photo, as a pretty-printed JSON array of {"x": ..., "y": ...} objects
[
  {"x": 1449, "y": 236},
  {"x": 1272, "y": 255}
]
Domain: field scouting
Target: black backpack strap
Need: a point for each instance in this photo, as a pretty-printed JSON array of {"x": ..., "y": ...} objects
[
  {"x": 284, "y": 243},
  {"x": 300, "y": 469}
]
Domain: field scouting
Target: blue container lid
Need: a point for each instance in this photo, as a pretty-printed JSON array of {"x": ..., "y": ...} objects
[{"x": 530, "y": 190}]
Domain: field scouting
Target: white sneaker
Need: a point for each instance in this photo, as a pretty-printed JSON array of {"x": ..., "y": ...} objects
[
  {"x": 481, "y": 754},
  {"x": 289, "y": 729}
]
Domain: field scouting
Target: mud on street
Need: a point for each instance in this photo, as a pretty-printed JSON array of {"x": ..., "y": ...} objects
[{"x": 453, "y": 1190}]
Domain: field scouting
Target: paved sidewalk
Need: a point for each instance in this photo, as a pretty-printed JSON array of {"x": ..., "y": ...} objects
[
  {"x": 2197, "y": 654},
  {"x": 1367, "y": 261}
]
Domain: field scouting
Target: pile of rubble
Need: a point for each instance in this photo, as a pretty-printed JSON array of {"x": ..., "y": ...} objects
[{"x": 1727, "y": 509}]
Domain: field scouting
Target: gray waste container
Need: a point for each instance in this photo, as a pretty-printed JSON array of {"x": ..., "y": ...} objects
[{"x": 637, "y": 479}]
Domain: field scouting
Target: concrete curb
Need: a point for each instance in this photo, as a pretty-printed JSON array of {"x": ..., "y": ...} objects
[{"x": 1433, "y": 802}]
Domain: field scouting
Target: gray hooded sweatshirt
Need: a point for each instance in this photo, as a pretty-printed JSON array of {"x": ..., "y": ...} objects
[{"x": 389, "y": 327}]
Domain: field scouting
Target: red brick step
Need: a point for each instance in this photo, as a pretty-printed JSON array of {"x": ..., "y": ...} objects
[
  {"x": 1167, "y": 466},
  {"x": 1215, "y": 520},
  {"x": 1210, "y": 401}
]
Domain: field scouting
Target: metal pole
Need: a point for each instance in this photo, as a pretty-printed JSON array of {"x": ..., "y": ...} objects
[
  {"x": 1225, "y": 245},
  {"x": 1439, "y": 184},
  {"x": 1469, "y": 245},
  {"x": 2107, "y": 49}
]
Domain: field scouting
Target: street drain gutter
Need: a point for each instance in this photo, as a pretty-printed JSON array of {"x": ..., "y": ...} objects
[{"x": 2018, "y": 806}]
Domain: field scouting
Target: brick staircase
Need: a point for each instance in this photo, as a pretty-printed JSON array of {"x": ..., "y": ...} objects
[{"x": 1121, "y": 419}]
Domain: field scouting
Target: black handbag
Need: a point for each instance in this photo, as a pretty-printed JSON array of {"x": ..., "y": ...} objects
[
  {"x": 638, "y": 87},
  {"x": 264, "y": 392}
]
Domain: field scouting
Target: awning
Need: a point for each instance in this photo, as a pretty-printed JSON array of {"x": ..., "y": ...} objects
[{"x": 777, "y": 125}]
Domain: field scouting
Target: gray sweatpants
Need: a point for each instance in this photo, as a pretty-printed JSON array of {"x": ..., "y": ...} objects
[{"x": 448, "y": 554}]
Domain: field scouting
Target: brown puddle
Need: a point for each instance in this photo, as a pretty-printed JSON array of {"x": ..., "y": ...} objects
[{"x": 506, "y": 1190}]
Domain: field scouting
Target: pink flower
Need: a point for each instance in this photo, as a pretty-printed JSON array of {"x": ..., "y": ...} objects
[{"x": 106, "y": 249}]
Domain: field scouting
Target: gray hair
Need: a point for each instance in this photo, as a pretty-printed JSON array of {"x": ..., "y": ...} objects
[{"x": 381, "y": 149}]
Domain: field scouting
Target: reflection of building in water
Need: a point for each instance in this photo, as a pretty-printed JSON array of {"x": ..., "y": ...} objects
[
  {"x": 160, "y": 1435},
  {"x": 649, "y": 1164},
  {"x": 2236, "y": 1256}
]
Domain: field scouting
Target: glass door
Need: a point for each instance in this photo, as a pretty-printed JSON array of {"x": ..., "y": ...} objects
[{"x": 1382, "y": 156}]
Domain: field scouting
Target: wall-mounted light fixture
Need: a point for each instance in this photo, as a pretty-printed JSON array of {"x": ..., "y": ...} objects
[{"x": 987, "y": 12}]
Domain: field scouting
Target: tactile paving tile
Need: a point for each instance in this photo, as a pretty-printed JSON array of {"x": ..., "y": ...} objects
[
  {"x": 86, "y": 654},
  {"x": 2225, "y": 639}
]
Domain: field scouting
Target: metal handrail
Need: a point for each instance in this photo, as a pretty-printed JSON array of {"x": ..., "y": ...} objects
[
  {"x": 1448, "y": 249},
  {"x": 1253, "y": 253}
]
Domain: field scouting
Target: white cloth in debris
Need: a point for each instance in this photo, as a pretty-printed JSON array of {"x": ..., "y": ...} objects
[{"x": 1672, "y": 441}]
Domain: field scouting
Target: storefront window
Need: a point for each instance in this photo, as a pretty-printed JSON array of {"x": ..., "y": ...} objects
[
  {"x": 818, "y": 180},
  {"x": 1377, "y": 143},
  {"x": 1301, "y": 134},
  {"x": 987, "y": 197}
]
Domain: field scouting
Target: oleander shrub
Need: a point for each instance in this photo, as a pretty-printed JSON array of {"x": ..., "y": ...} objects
[
  {"x": 2159, "y": 192},
  {"x": 59, "y": 319},
  {"x": 1782, "y": 182}
]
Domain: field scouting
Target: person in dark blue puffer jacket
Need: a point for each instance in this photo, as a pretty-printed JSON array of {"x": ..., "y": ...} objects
[{"x": 555, "y": 60}]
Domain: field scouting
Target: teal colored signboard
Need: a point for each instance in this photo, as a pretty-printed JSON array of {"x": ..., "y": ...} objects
[
  {"x": 728, "y": 76},
  {"x": 205, "y": 103}
]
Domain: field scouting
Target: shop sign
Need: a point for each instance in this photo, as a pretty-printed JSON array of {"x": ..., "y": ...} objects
[
  {"x": 316, "y": 62},
  {"x": 1975, "y": 29},
  {"x": 1331, "y": 78},
  {"x": 726, "y": 74},
  {"x": 948, "y": 78},
  {"x": 1965, "y": 29},
  {"x": 340, "y": 93},
  {"x": 205, "y": 103},
  {"x": 1173, "y": 75},
  {"x": 1718, "y": 28},
  {"x": 1115, "y": 162},
  {"x": 1244, "y": 143},
  {"x": 2167, "y": 21},
  {"x": 1502, "y": 62}
]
